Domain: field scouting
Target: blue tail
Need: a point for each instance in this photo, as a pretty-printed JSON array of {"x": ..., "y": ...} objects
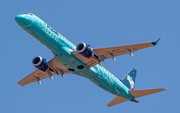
[{"x": 129, "y": 79}]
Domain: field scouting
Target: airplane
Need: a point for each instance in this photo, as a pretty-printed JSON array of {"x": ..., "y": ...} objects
[{"x": 81, "y": 60}]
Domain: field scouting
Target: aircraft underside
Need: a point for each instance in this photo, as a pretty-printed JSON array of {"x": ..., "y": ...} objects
[{"x": 81, "y": 60}]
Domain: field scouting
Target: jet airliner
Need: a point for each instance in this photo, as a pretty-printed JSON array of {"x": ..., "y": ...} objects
[{"x": 81, "y": 60}]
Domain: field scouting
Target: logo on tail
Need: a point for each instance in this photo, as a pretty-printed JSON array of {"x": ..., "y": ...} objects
[{"x": 129, "y": 78}]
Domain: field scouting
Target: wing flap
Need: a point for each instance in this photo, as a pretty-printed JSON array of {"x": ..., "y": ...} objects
[
  {"x": 120, "y": 50},
  {"x": 31, "y": 78}
]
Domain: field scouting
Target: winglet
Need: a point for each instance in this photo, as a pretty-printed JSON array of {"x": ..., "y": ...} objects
[{"x": 155, "y": 43}]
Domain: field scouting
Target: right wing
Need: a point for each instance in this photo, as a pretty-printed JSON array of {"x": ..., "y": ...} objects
[
  {"x": 55, "y": 68},
  {"x": 111, "y": 52}
]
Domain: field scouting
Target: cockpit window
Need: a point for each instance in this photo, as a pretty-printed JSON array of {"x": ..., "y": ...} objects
[{"x": 30, "y": 14}]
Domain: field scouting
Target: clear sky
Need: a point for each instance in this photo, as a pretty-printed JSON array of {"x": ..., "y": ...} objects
[{"x": 99, "y": 23}]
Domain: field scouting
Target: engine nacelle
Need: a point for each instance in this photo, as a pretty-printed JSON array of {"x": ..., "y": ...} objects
[
  {"x": 84, "y": 50},
  {"x": 40, "y": 63}
]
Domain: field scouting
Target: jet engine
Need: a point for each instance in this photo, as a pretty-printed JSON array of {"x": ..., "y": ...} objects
[
  {"x": 40, "y": 63},
  {"x": 84, "y": 50}
]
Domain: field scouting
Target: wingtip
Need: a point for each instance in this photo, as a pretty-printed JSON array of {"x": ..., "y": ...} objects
[
  {"x": 20, "y": 84},
  {"x": 155, "y": 43},
  {"x": 163, "y": 89}
]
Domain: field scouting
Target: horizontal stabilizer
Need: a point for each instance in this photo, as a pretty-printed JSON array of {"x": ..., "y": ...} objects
[
  {"x": 144, "y": 92},
  {"x": 136, "y": 94},
  {"x": 115, "y": 101}
]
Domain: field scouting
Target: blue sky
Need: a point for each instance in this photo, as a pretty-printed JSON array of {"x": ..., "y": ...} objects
[{"x": 99, "y": 23}]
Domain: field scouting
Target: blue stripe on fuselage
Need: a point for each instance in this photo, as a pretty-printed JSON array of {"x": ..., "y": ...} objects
[{"x": 61, "y": 48}]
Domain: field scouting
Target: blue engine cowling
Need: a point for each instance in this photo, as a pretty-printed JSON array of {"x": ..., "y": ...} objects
[
  {"x": 40, "y": 63},
  {"x": 84, "y": 50}
]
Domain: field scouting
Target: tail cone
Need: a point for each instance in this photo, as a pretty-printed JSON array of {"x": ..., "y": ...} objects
[{"x": 137, "y": 101}]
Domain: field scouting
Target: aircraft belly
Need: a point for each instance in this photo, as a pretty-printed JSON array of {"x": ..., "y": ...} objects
[{"x": 70, "y": 62}]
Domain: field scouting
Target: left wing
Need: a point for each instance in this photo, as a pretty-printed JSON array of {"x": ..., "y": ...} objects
[
  {"x": 55, "y": 68},
  {"x": 110, "y": 52}
]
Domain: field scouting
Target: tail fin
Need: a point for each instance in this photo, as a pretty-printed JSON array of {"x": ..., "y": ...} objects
[{"x": 129, "y": 79}]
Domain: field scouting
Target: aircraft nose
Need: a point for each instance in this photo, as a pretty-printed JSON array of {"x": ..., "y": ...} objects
[{"x": 24, "y": 20}]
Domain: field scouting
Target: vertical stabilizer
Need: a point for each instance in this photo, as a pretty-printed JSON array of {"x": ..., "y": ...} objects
[{"x": 129, "y": 79}]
